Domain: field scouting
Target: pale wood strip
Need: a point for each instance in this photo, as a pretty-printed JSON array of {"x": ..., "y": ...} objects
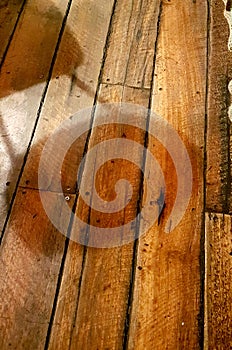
[
  {"x": 218, "y": 286},
  {"x": 218, "y": 131},
  {"x": 22, "y": 82},
  {"x": 30, "y": 258},
  {"x": 131, "y": 49},
  {"x": 166, "y": 299}
]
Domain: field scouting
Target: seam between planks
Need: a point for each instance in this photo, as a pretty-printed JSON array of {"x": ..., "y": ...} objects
[
  {"x": 12, "y": 34},
  {"x": 126, "y": 85},
  {"x": 139, "y": 202},
  {"x": 37, "y": 117},
  {"x": 203, "y": 319},
  {"x": 228, "y": 180}
]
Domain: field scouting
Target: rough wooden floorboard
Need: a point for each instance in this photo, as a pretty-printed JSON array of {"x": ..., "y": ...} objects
[
  {"x": 218, "y": 286},
  {"x": 166, "y": 297},
  {"x": 22, "y": 83}
]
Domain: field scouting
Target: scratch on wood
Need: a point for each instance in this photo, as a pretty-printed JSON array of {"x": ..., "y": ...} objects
[{"x": 73, "y": 82}]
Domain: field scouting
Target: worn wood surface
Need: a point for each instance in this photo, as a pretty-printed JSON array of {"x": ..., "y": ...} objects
[
  {"x": 10, "y": 11},
  {"x": 218, "y": 281},
  {"x": 98, "y": 321},
  {"x": 218, "y": 175},
  {"x": 77, "y": 63},
  {"x": 156, "y": 292},
  {"x": 167, "y": 267},
  {"x": 29, "y": 266},
  {"x": 22, "y": 83}
]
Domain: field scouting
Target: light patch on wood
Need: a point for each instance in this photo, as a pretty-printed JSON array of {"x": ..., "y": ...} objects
[{"x": 228, "y": 16}]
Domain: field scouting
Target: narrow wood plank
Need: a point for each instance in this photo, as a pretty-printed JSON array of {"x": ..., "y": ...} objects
[
  {"x": 30, "y": 258},
  {"x": 9, "y": 12},
  {"x": 133, "y": 53},
  {"x": 22, "y": 81},
  {"x": 218, "y": 286},
  {"x": 218, "y": 130},
  {"x": 166, "y": 299},
  {"x": 100, "y": 306}
]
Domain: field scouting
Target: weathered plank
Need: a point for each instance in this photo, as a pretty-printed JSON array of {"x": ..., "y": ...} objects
[
  {"x": 72, "y": 90},
  {"x": 133, "y": 31},
  {"x": 218, "y": 281},
  {"x": 79, "y": 71},
  {"x": 107, "y": 271},
  {"x": 30, "y": 258},
  {"x": 10, "y": 10},
  {"x": 166, "y": 298},
  {"x": 218, "y": 174},
  {"x": 22, "y": 82},
  {"x": 98, "y": 320}
]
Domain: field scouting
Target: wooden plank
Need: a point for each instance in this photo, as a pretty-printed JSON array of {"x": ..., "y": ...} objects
[
  {"x": 218, "y": 174},
  {"x": 98, "y": 318},
  {"x": 93, "y": 18},
  {"x": 71, "y": 91},
  {"x": 22, "y": 82},
  {"x": 166, "y": 300},
  {"x": 218, "y": 281},
  {"x": 10, "y": 10},
  {"x": 133, "y": 31},
  {"x": 107, "y": 271},
  {"x": 30, "y": 261}
]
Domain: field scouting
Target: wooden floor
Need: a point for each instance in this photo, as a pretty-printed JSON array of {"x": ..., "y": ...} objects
[{"x": 165, "y": 290}]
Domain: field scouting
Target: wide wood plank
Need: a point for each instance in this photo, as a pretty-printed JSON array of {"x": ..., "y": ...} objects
[
  {"x": 166, "y": 299},
  {"x": 218, "y": 281},
  {"x": 10, "y": 11},
  {"x": 218, "y": 174},
  {"x": 30, "y": 257},
  {"x": 99, "y": 316},
  {"x": 22, "y": 82}
]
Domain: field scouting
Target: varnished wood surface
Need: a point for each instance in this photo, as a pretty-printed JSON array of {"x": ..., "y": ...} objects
[{"x": 165, "y": 290}]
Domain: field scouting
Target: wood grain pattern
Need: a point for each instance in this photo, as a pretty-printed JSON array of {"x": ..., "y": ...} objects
[
  {"x": 130, "y": 54},
  {"x": 218, "y": 285},
  {"x": 100, "y": 315},
  {"x": 22, "y": 82},
  {"x": 30, "y": 257},
  {"x": 28, "y": 336},
  {"x": 71, "y": 89},
  {"x": 166, "y": 299},
  {"x": 100, "y": 320},
  {"x": 171, "y": 56},
  {"x": 218, "y": 175},
  {"x": 10, "y": 10}
]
